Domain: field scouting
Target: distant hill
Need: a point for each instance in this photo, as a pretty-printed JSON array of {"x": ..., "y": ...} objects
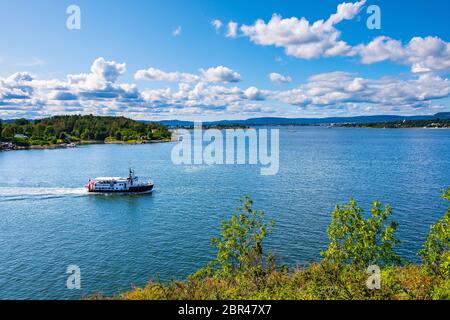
[
  {"x": 442, "y": 115},
  {"x": 298, "y": 121},
  {"x": 308, "y": 121}
]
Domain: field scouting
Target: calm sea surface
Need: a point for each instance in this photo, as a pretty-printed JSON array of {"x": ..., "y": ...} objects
[{"x": 47, "y": 221}]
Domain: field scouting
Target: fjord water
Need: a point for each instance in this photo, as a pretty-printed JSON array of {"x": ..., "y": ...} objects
[{"x": 48, "y": 222}]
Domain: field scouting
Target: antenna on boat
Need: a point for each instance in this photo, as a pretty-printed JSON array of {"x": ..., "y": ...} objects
[{"x": 131, "y": 173}]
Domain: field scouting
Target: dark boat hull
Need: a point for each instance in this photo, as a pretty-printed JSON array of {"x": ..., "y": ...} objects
[{"x": 131, "y": 190}]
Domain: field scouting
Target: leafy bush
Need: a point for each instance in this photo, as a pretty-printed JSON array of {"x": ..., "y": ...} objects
[
  {"x": 242, "y": 271},
  {"x": 361, "y": 242},
  {"x": 23, "y": 142},
  {"x": 446, "y": 194},
  {"x": 239, "y": 247},
  {"x": 436, "y": 249}
]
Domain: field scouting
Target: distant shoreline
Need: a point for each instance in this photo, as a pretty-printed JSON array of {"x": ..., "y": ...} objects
[
  {"x": 175, "y": 136},
  {"x": 81, "y": 143}
]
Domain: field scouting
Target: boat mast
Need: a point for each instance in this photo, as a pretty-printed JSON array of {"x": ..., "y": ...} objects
[{"x": 131, "y": 176}]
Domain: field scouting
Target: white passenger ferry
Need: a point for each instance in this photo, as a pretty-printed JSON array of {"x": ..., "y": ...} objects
[{"x": 131, "y": 184}]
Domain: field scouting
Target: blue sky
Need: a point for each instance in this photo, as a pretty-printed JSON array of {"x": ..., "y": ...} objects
[{"x": 337, "y": 70}]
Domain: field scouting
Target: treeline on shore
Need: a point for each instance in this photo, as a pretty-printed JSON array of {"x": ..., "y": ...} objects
[
  {"x": 79, "y": 128},
  {"x": 360, "y": 263},
  {"x": 436, "y": 123}
]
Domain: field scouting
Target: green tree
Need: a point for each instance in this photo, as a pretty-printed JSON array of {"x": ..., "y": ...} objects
[
  {"x": 28, "y": 130},
  {"x": 446, "y": 194},
  {"x": 49, "y": 131},
  {"x": 85, "y": 135},
  {"x": 360, "y": 242},
  {"x": 8, "y": 132},
  {"x": 239, "y": 247},
  {"x": 118, "y": 135},
  {"x": 39, "y": 129},
  {"x": 436, "y": 249},
  {"x": 21, "y": 122},
  {"x": 100, "y": 134}
]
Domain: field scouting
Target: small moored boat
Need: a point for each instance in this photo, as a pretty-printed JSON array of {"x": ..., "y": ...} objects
[{"x": 131, "y": 184}]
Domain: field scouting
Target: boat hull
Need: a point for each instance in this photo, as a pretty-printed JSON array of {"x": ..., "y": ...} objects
[{"x": 131, "y": 190}]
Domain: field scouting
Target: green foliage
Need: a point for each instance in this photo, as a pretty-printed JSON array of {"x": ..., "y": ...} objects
[
  {"x": 23, "y": 142},
  {"x": 21, "y": 122},
  {"x": 7, "y": 132},
  {"x": 446, "y": 194},
  {"x": 311, "y": 283},
  {"x": 361, "y": 242},
  {"x": 435, "y": 123},
  {"x": 77, "y": 127},
  {"x": 436, "y": 249},
  {"x": 239, "y": 247},
  {"x": 238, "y": 271}
]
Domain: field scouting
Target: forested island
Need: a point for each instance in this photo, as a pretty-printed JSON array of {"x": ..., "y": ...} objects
[{"x": 69, "y": 130}]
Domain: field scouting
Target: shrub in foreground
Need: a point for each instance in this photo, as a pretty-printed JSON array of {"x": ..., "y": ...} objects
[
  {"x": 241, "y": 269},
  {"x": 436, "y": 249}
]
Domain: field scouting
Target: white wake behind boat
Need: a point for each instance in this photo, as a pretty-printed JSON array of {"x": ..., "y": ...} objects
[{"x": 131, "y": 184}]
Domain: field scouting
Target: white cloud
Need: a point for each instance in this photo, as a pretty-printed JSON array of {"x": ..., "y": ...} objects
[
  {"x": 423, "y": 54},
  {"x": 308, "y": 40},
  {"x": 103, "y": 73},
  {"x": 177, "y": 31},
  {"x": 345, "y": 11},
  {"x": 232, "y": 29},
  {"x": 217, "y": 24},
  {"x": 99, "y": 92},
  {"x": 278, "y": 78},
  {"x": 159, "y": 75},
  {"x": 220, "y": 74},
  {"x": 214, "y": 74},
  {"x": 303, "y": 39},
  {"x": 108, "y": 70},
  {"x": 204, "y": 99},
  {"x": 18, "y": 86},
  {"x": 381, "y": 48},
  {"x": 342, "y": 88},
  {"x": 254, "y": 93},
  {"x": 95, "y": 92},
  {"x": 19, "y": 77}
]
